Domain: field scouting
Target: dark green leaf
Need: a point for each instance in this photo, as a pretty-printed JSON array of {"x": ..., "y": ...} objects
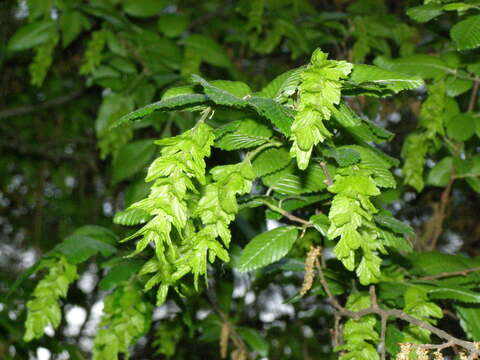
[
  {"x": 395, "y": 225},
  {"x": 424, "y": 13},
  {"x": 168, "y": 104},
  {"x": 461, "y": 127},
  {"x": 469, "y": 319},
  {"x": 254, "y": 340},
  {"x": 267, "y": 248},
  {"x": 132, "y": 158},
  {"x": 119, "y": 273},
  {"x": 144, "y": 8},
  {"x": 32, "y": 35}
]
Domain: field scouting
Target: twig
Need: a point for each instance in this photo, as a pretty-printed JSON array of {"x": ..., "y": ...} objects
[
  {"x": 395, "y": 313},
  {"x": 473, "y": 95},
  {"x": 440, "y": 212},
  {"x": 383, "y": 333},
  {"x": 452, "y": 273},
  {"x": 27, "y": 109},
  {"x": 237, "y": 340},
  {"x": 328, "y": 177},
  {"x": 286, "y": 214}
]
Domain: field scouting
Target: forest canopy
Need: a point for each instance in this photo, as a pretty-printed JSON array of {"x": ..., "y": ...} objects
[{"x": 251, "y": 179}]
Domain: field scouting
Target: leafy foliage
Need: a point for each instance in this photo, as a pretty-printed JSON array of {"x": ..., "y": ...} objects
[
  {"x": 44, "y": 309},
  {"x": 285, "y": 170}
]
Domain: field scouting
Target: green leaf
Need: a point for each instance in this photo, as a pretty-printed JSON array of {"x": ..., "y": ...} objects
[
  {"x": 424, "y": 13},
  {"x": 286, "y": 83},
  {"x": 172, "y": 25},
  {"x": 31, "y": 35},
  {"x": 395, "y": 225},
  {"x": 434, "y": 263},
  {"x": 132, "y": 158},
  {"x": 208, "y": 50},
  {"x": 249, "y": 133},
  {"x": 425, "y": 66},
  {"x": 237, "y": 88},
  {"x": 343, "y": 156},
  {"x": 77, "y": 248},
  {"x": 441, "y": 172},
  {"x": 461, "y": 127},
  {"x": 456, "y": 86},
  {"x": 270, "y": 160},
  {"x": 469, "y": 319},
  {"x": 466, "y": 33},
  {"x": 291, "y": 181},
  {"x": 144, "y": 8},
  {"x": 254, "y": 340},
  {"x": 362, "y": 129},
  {"x": 390, "y": 80},
  {"x": 267, "y": 248},
  {"x": 321, "y": 223},
  {"x": 279, "y": 115},
  {"x": 72, "y": 23},
  {"x": 454, "y": 293},
  {"x": 119, "y": 273},
  {"x": 171, "y": 103},
  {"x": 131, "y": 216}
]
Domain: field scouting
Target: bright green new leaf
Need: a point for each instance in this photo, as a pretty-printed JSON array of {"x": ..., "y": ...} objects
[{"x": 270, "y": 160}]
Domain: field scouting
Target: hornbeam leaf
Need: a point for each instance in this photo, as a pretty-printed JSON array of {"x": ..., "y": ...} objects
[
  {"x": 469, "y": 319},
  {"x": 424, "y": 13},
  {"x": 425, "y": 66},
  {"x": 267, "y": 248},
  {"x": 218, "y": 95},
  {"x": 395, "y": 225},
  {"x": 270, "y": 160},
  {"x": 390, "y": 80},
  {"x": 466, "y": 33},
  {"x": 455, "y": 293},
  {"x": 172, "y": 103},
  {"x": 279, "y": 115}
]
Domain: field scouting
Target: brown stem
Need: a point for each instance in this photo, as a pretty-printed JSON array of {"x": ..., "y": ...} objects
[
  {"x": 237, "y": 340},
  {"x": 27, "y": 109},
  {"x": 286, "y": 214},
  {"x": 452, "y": 273},
  {"x": 473, "y": 95},
  {"x": 441, "y": 212},
  {"x": 385, "y": 314},
  {"x": 326, "y": 173}
]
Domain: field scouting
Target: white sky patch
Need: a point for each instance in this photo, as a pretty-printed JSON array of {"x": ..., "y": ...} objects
[
  {"x": 43, "y": 354},
  {"x": 273, "y": 224}
]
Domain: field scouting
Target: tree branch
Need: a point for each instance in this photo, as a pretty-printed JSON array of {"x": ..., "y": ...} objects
[
  {"x": 328, "y": 177},
  {"x": 286, "y": 214},
  {"x": 473, "y": 95},
  {"x": 452, "y": 273},
  {"x": 27, "y": 109},
  {"x": 395, "y": 313}
]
